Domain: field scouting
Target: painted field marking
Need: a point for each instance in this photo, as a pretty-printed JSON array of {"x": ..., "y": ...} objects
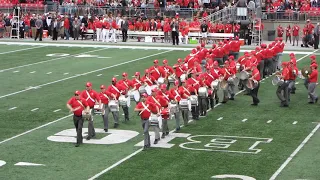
[
  {"x": 16, "y": 71},
  {"x": 244, "y": 120},
  {"x": 57, "y": 110},
  {"x": 28, "y": 164},
  {"x": 8, "y": 52},
  {"x": 65, "y": 73},
  {"x": 269, "y": 121},
  {"x": 276, "y": 174},
  {"x": 90, "y": 72},
  {"x": 32, "y": 72},
  {"x": 34, "y": 109},
  {"x": 116, "y": 75},
  {"x": 49, "y": 72},
  {"x": 296, "y": 83},
  {"x": 41, "y": 62},
  {"x": 99, "y": 75},
  {"x": 295, "y": 122},
  {"x": 220, "y": 118},
  {"x": 12, "y": 108},
  {"x": 139, "y": 150}
]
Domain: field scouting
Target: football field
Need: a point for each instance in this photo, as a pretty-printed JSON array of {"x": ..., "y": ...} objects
[{"x": 234, "y": 141}]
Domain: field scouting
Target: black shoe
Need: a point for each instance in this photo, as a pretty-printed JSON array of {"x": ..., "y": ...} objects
[
  {"x": 316, "y": 100},
  {"x": 217, "y": 101},
  {"x": 178, "y": 129},
  {"x": 88, "y": 138},
  {"x": 286, "y": 105},
  {"x": 145, "y": 148},
  {"x": 292, "y": 92},
  {"x": 155, "y": 141},
  {"x": 76, "y": 145},
  {"x": 311, "y": 102},
  {"x": 105, "y": 130},
  {"x": 232, "y": 98},
  {"x": 167, "y": 133},
  {"x": 223, "y": 102},
  {"x": 116, "y": 125},
  {"x": 163, "y": 135},
  {"x": 254, "y": 104}
]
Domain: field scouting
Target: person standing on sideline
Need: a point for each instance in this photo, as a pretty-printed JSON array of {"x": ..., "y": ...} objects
[
  {"x": 175, "y": 31},
  {"x": 295, "y": 33},
  {"x": 33, "y": 25},
  {"x": 204, "y": 32},
  {"x": 288, "y": 33},
  {"x": 316, "y": 36},
  {"x": 77, "y": 105},
  {"x": 313, "y": 81},
  {"x": 39, "y": 27},
  {"x": 76, "y": 28},
  {"x": 92, "y": 97},
  {"x": 124, "y": 29},
  {"x": 55, "y": 26},
  {"x": 145, "y": 109},
  {"x": 256, "y": 77}
]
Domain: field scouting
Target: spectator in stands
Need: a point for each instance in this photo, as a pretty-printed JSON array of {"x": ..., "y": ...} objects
[
  {"x": 76, "y": 28},
  {"x": 174, "y": 26}
]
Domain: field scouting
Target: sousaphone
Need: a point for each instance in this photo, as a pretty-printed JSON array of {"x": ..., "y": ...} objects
[{"x": 305, "y": 71}]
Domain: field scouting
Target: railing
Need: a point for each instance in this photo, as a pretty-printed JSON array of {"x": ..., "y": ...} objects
[
  {"x": 291, "y": 16},
  {"x": 223, "y": 15},
  {"x": 131, "y": 11},
  {"x": 24, "y": 9}
]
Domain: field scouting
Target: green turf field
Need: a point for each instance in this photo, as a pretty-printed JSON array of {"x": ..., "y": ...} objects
[{"x": 234, "y": 139}]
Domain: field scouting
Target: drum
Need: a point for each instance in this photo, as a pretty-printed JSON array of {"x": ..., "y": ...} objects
[
  {"x": 194, "y": 100},
  {"x": 183, "y": 77},
  {"x": 161, "y": 80},
  {"x": 148, "y": 90},
  {"x": 123, "y": 100},
  {"x": 251, "y": 84},
  {"x": 230, "y": 80},
  {"x": 223, "y": 84},
  {"x": 276, "y": 81},
  {"x": 97, "y": 109},
  {"x": 142, "y": 90},
  {"x": 86, "y": 116},
  {"x": 165, "y": 113},
  {"x": 203, "y": 92},
  {"x": 244, "y": 75},
  {"x": 238, "y": 66},
  {"x": 134, "y": 95},
  {"x": 113, "y": 105},
  {"x": 184, "y": 104},
  {"x": 154, "y": 120},
  {"x": 173, "y": 107},
  {"x": 215, "y": 84},
  {"x": 171, "y": 78}
]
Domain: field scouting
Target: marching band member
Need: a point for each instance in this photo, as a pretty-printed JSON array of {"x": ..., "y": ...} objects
[
  {"x": 284, "y": 87},
  {"x": 313, "y": 80},
  {"x": 174, "y": 95},
  {"x": 105, "y": 96},
  {"x": 231, "y": 73},
  {"x": 148, "y": 79},
  {"x": 136, "y": 82},
  {"x": 293, "y": 72},
  {"x": 77, "y": 104},
  {"x": 145, "y": 109},
  {"x": 127, "y": 84},
  {"x": 215, "y": 72},
  {"x": 225, "y": 74},
  {"x": 164, "y": 100},
  {"x": 294, "y": 63},
  {"x": 156, "y": 71},
  {"x": 179, "y": 69},
  {"x": 203, "y": 100},
  {"x": 209, "y": 79},
  {"x": 192, "y": 81},
  {"x": 313, "y": 61},
  {"x": 156, "y": 101},
  {"x": 256, "y": 77},
  {"x": 168, "y": 70},
  {"x": 116, "y": 90},
  {"x": 185, "y": 91},
  {"x": 92, "y": 97}
]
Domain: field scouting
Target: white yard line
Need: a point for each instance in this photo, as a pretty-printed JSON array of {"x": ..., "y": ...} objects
[
  {"x": 57, "y": 110},
  {"x": 34, "y": 109},
  {"x": 32, "y": 72},
  {"x": 55, "y": 59},
  {"x": 269, "y": 121},
  {"x": 295, "y": 122},
  {"x": 136, "y": 152},
  {"x": 276, "y": 174},
  {"x": 65, "y": 73},
  {"x": 78, "y": 75},
  {"x": 244, "y": 120},
  {"x": 127, "y": 47},
  {"x": 220, "y": 118},
  {"x": 12, "y": 108},
  {"x": 15, "y": 71},
  {"x": 39, "y": 127},
  {"x": 18, "y": 50}
]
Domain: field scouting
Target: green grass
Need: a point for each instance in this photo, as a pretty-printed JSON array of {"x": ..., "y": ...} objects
[{"x": 63, "y": 161}]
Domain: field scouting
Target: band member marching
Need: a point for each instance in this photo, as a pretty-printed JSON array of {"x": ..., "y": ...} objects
[
  {"x": 145, "y": 110},
  {"x": 116, "y": 90},
  {"x": 125, "y": 82},
  {"x": 156, "y": 71},
  {"x": 313, "y": 80},
  {"x": 203, "y": 95},
  {"x": 148, "y": 80},
  {"x": 180, "y": 69},
  {"x": 282, "y": 91},
  {"x": 163, "y": 98},
  {"x": 174, "y": 96},
  {"x": 105, "y": 97},
  {"x": 168, "y": 71},
  {"x": 215, "y": 72},
  {"x": 192, "y": 81},
  {"x": 255, "y": 80},
  {"x": 137, "y": 82},
  {"x": 78, "y": 105},
  {"x": 231, "y": 73}
]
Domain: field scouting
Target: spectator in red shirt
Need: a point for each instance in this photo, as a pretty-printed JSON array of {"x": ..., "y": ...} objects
[
  {"x": 295, "y": 33},
  {"x": 288, "y": 33},
  {"x": 280, "y": 31},
  {"x": 313, "y": 80}
]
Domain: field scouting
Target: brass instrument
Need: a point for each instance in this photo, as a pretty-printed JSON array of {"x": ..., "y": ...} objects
[{"x": 306, "y": 71}]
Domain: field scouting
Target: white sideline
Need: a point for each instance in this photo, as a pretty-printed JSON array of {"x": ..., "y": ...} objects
[
  {"x": 78, "y": 75},
  {"x": 136, "y": 152},
  {"x": 39, "y": 127},
  {"x": 26, "y": 65},
  {"x": 18, "y": 50},
  {"x": 276, "y": 174},
  {"x": 98, "y": 45}
]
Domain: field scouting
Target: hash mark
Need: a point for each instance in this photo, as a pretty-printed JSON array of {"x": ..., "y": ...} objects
[
  {"x": 99, "y": 75},
  {"x": 15, "y": 71},
  {"x": 295, "y": 122},
  {"x": 12, "y": 108},
  {"x": 65, "y": 73},
  {"x": 32, "y": 72},
  {"x": 244, "y": 120},
  {"x": 269, "y": 121},
  {"x": 57, "y": 110},
  {"x": 220, "y": 118},
  {"x": 49, "y": 72},
  {"x": 34, "y": 109}
]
